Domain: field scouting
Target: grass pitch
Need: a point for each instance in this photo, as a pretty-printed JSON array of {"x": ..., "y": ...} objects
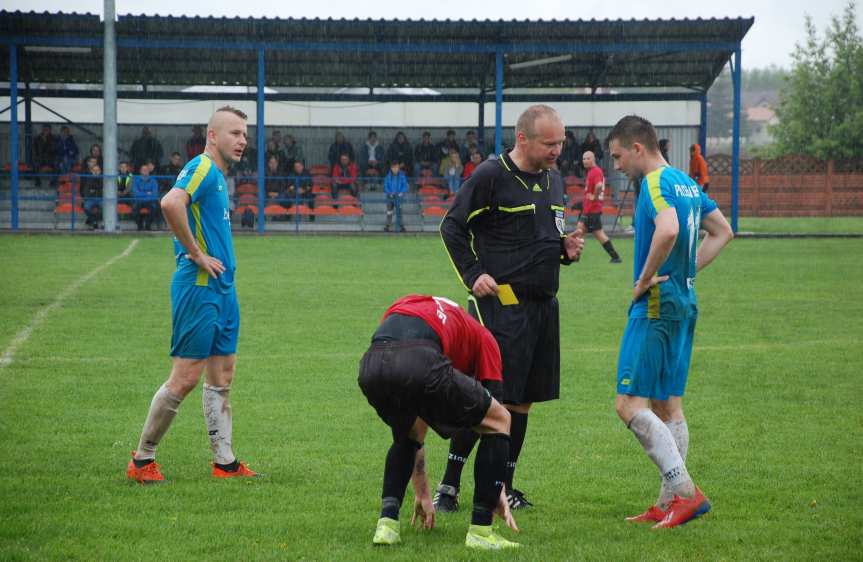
[{"x": 772, "y": 404}]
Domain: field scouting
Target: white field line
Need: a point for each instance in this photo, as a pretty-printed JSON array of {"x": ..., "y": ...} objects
[{"x": 24, "y": 335}]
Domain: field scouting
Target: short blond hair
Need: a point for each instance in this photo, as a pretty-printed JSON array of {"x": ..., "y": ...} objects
[{"x": 527, "y": 120}]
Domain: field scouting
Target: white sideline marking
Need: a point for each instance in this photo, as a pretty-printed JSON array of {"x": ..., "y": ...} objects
[{"x": 24, "y": 334}]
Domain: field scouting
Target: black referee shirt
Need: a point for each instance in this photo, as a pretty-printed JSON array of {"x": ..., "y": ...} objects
[{"x": 509, "y": 224}]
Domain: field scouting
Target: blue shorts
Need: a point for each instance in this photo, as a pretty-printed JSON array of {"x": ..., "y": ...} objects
[
  {"x": 654, "y": 357},
  {"x": 205, "y": 322}
]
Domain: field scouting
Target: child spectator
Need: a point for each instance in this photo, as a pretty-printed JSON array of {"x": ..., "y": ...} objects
[
  {"x": 395, "y": 187},
  {"x": 146, "y": 193}
]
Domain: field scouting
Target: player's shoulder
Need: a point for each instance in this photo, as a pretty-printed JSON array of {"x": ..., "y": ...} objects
[{"x": 487, "y": 170}]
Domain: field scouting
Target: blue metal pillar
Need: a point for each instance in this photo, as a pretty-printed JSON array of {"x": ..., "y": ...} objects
[
  {"x": 28, "y": 126},
  {"x": 735, "y": 140},
  {"x": 498, "y": 101},
  {"x": 259, "y": 130},
  {"x": 702, "y": 129},
  {"x": 480, "y": 128},
  {"x": 13, "y": 131}
]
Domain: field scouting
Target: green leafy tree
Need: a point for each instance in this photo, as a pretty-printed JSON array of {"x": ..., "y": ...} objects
[{"x": 821, "y": 107}]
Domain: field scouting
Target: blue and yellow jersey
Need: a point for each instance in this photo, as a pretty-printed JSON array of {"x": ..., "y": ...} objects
[
  {"x": 209, "y": 216},
  {"x": 662, "y": 189}
]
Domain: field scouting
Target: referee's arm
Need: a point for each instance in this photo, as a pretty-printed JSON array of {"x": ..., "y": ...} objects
[{"x": 471, "y": 201}]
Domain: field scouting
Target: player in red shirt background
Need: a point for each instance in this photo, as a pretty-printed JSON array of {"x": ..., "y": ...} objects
[{"x": 594, "y": 194}]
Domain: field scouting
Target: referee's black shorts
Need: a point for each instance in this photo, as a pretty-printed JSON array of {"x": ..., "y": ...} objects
[
  {"x": 592, "y": 222},
  {"x": 528, "y": 334},
  {"x": 404, "y": 380}
]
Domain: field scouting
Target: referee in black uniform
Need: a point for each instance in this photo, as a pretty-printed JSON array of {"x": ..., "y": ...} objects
[{"x": 505, "y": 236}]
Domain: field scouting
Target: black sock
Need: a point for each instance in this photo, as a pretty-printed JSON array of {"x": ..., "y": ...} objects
[
  {"x": 230, "y": 467},
  {"x": 460, "y": 447},
  {"x": 489, "y": 470},
  {"x": 142, "y": 463},
  {"x": 397, "y": 472},
  {"x": 517, "y": 431},
  {"x": 609, "y": 247}
]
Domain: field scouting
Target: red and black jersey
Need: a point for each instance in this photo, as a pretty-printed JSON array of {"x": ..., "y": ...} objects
[{"x": 466, "y": 343}]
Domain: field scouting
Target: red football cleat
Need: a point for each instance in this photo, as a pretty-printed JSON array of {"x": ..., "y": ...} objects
[
  {"x": 242, "y": 471},
  {"x": 683, "y": 510},
  {"x": 653, "y": 514},
  {"x": 150, "y": 473}
]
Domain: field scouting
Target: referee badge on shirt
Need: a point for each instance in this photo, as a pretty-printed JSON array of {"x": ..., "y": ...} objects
[{"x": 559, "y": 221}]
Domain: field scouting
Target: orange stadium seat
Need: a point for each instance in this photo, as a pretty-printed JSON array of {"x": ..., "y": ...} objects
[
  {"x": 275, "y": 210},
  {"x": 325, "y": 210},
  {"x": 319, "y": 170},
  {"x": 434, "y": 211},
  {"x": 350, "y": 211}
]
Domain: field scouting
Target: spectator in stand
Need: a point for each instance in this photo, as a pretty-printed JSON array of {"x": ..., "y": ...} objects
[
  {"x": 395, "y": 187},
  {"x": 445, "y": 145},
  {"x": 276, "y": 186},
  {"x": 45, "y": 153},
  {"x": 146, "y": 147},
  {"x": 291, "y": 151},
  {"x": 273, "y": 151},
  {"x": 425, "y": 155},
  {"x": 67, "y": 150},
  {"x": 196, "y": 143},
  {"x": 248, "y": 164},
  {"x": 469, "y": 142},
  {"x": 344, "y": 176},
  {"x": 475, "y": 160},
  {"x": 276, "y": 137},
  {"x": 592, "y": 144},
  {"x": 124, "y": 183},
  {"x": 451, "y": 169},
  {"x": 169, "y": 172},
  {"x": 664, "y": 147},
  {"x": 698, "y": 167},
  {"x": 339, "y": 147},
  {"x": 91, "y": 191},
  {"x": 569, "y": 161},
  {"x": 145, "y": 190},
  {"x": 400, "y": 151},
  {"x": 372, "y": 156},
  {"x": 95, "y": 152},
  {"x": 299, "y": 189}
]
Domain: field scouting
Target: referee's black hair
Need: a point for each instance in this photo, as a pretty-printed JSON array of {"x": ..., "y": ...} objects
[{"x": 634, "y": 128}]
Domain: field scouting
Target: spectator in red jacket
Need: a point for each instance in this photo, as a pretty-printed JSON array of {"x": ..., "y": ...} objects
[
  {"x": 344, "y": 176},
  {"x": 475, "y": 160},
  {"x": 698, "y": 167}
]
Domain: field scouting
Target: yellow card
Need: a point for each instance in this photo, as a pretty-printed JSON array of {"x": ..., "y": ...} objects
[{"x": 506, "y": 295}]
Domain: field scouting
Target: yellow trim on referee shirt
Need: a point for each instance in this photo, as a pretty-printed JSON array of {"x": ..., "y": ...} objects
[
  {"x": 558, "y": 208},
  {"x": 202, "y": 280},
  {"x": 200, "y": 173},
  {"x": 449, "y": 256},
  {"x": 476, "y": 212},
  {"x": 531, "y": 207},
  {"x": 653, "y": 302},
  {"x": 655, "y": 192},
  {"x": 507, "y": 168}
]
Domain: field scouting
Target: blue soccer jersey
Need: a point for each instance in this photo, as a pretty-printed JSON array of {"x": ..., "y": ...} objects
[
  {"x": 209, "y": 217},
  {"x": 662, "y": 189}
]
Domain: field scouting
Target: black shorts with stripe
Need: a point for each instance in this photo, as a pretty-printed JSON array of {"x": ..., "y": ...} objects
[
  {"x": 404, "y": 380},
  {"x": 528, "y": 334}
]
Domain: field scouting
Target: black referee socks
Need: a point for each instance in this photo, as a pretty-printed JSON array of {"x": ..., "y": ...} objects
[
  {"x": 489, "y": 470},
  {"x": 397, "y": 473},
  {"x": 517, "y": 431}
]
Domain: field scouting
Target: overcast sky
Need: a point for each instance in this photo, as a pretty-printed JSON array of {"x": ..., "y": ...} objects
[{"x": 778, "y": 24}]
